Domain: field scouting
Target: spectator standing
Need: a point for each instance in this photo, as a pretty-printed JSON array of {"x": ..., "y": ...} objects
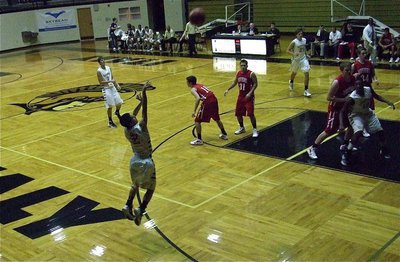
[
  {"x": 190, "y": 35},
  {"x": 114, "y": 26},
  {"x": 369, "y": 37}
]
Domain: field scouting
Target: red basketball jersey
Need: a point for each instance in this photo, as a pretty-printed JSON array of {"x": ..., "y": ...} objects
[
  {"x": 204, "y": 93},
  {"x": 244, "y": 82},
  {"x": 365, "y": 70},
  {"x": 345, "y": 88}
]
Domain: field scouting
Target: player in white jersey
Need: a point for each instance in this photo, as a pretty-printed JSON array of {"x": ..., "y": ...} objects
[
  {"x": 297, "y": 48},
  {"x": 362, "y": 116},
  {"x": 142, "y": 168},
  {"x": 110, "y": 93}
]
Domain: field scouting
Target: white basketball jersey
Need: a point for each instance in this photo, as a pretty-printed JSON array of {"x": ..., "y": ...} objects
[
  {"x": 361, "y": 103},
  {"x": 140, "y": 141},
  {"x": 299, "y": 48},
  {"x": 106, "y": 74}
]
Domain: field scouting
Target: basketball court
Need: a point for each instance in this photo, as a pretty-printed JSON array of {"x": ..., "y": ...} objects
[{"x": 64, "y": 173}]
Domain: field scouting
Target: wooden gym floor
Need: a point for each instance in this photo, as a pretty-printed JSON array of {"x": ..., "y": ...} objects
[{"x": 64, "y": 174}]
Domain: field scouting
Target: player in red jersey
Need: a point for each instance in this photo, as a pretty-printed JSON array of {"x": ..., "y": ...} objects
[
  {"x": 247, "y": 82},
  {"x": 208, "y": 109},
  {"x": 364, "y": 69},
  {"x": 341, "y": 87}
]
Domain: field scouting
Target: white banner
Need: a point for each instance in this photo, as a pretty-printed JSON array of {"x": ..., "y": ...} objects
[{"x": 55, "y": 20}]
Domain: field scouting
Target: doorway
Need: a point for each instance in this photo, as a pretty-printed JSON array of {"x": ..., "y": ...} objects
[
  {"x": 85, "y": 23},
  {"x": 156, "y": 15}
]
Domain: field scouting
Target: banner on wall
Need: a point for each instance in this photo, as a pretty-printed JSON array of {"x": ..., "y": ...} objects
[{"x": 55, "y": 20}]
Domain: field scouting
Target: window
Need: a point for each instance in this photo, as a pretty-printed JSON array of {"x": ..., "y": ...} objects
[{"x": 129, "y": 13}]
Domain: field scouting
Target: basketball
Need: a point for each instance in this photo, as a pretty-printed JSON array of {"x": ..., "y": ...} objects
[{"x": 197, "y": 16}]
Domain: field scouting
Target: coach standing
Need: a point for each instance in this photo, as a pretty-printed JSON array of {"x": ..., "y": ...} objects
[{"x": 190, "y": 35}]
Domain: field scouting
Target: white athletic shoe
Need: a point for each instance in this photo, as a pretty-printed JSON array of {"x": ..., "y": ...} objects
[
  {"x": 311, "y": 152},
  {"x": 343, "y": 148},
  {"x": 255, "y": 133},
  {"x": 240, "y": 131},
  {"x": 345, "y": 159},
  {"x": 397, "y": 60},
  {"x": 391, "y": 60},
  {"x": 197, "y": 142},
  {"x": 223, "y": 137},
  {"x": 290, "y": 86},
  {"x": 306, "y": 93},
  {"x": 365, "y": 133}
]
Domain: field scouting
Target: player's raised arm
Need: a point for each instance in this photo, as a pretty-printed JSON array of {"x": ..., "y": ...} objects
[
  {"x": 144, "y": 102},
  {"x": 137, "y": 108}
]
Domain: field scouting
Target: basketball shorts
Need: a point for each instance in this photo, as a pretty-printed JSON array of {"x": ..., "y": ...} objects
[
  {"x": 333, "y": 122},
  {"x": 244, "y": 106},
  {"x": 143, "y": 172},
  {"x": 111, "y": 97},
  {"x": 368, "y": 121},
  {"x": 301, "y": 64},
  {"x": 208, "y": 110}
]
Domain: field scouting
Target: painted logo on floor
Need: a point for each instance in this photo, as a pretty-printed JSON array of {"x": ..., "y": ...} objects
[
  {"x": 77, "y": 212},
  {"x": 75, "y": 98}
]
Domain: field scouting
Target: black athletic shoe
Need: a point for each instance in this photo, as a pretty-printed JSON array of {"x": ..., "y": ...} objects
[
  {"x": 384, "y": 153},
  {"x": 112, "y": 125},
  {"x": 138, "y": 216}
]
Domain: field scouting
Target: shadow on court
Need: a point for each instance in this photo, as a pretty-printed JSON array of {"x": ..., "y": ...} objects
[{"x": 287, "y": 138}]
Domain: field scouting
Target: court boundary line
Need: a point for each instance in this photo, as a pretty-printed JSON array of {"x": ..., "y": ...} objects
[
  {"x": 90, "y": 175},
  {"x": 380, "y": 251}
]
